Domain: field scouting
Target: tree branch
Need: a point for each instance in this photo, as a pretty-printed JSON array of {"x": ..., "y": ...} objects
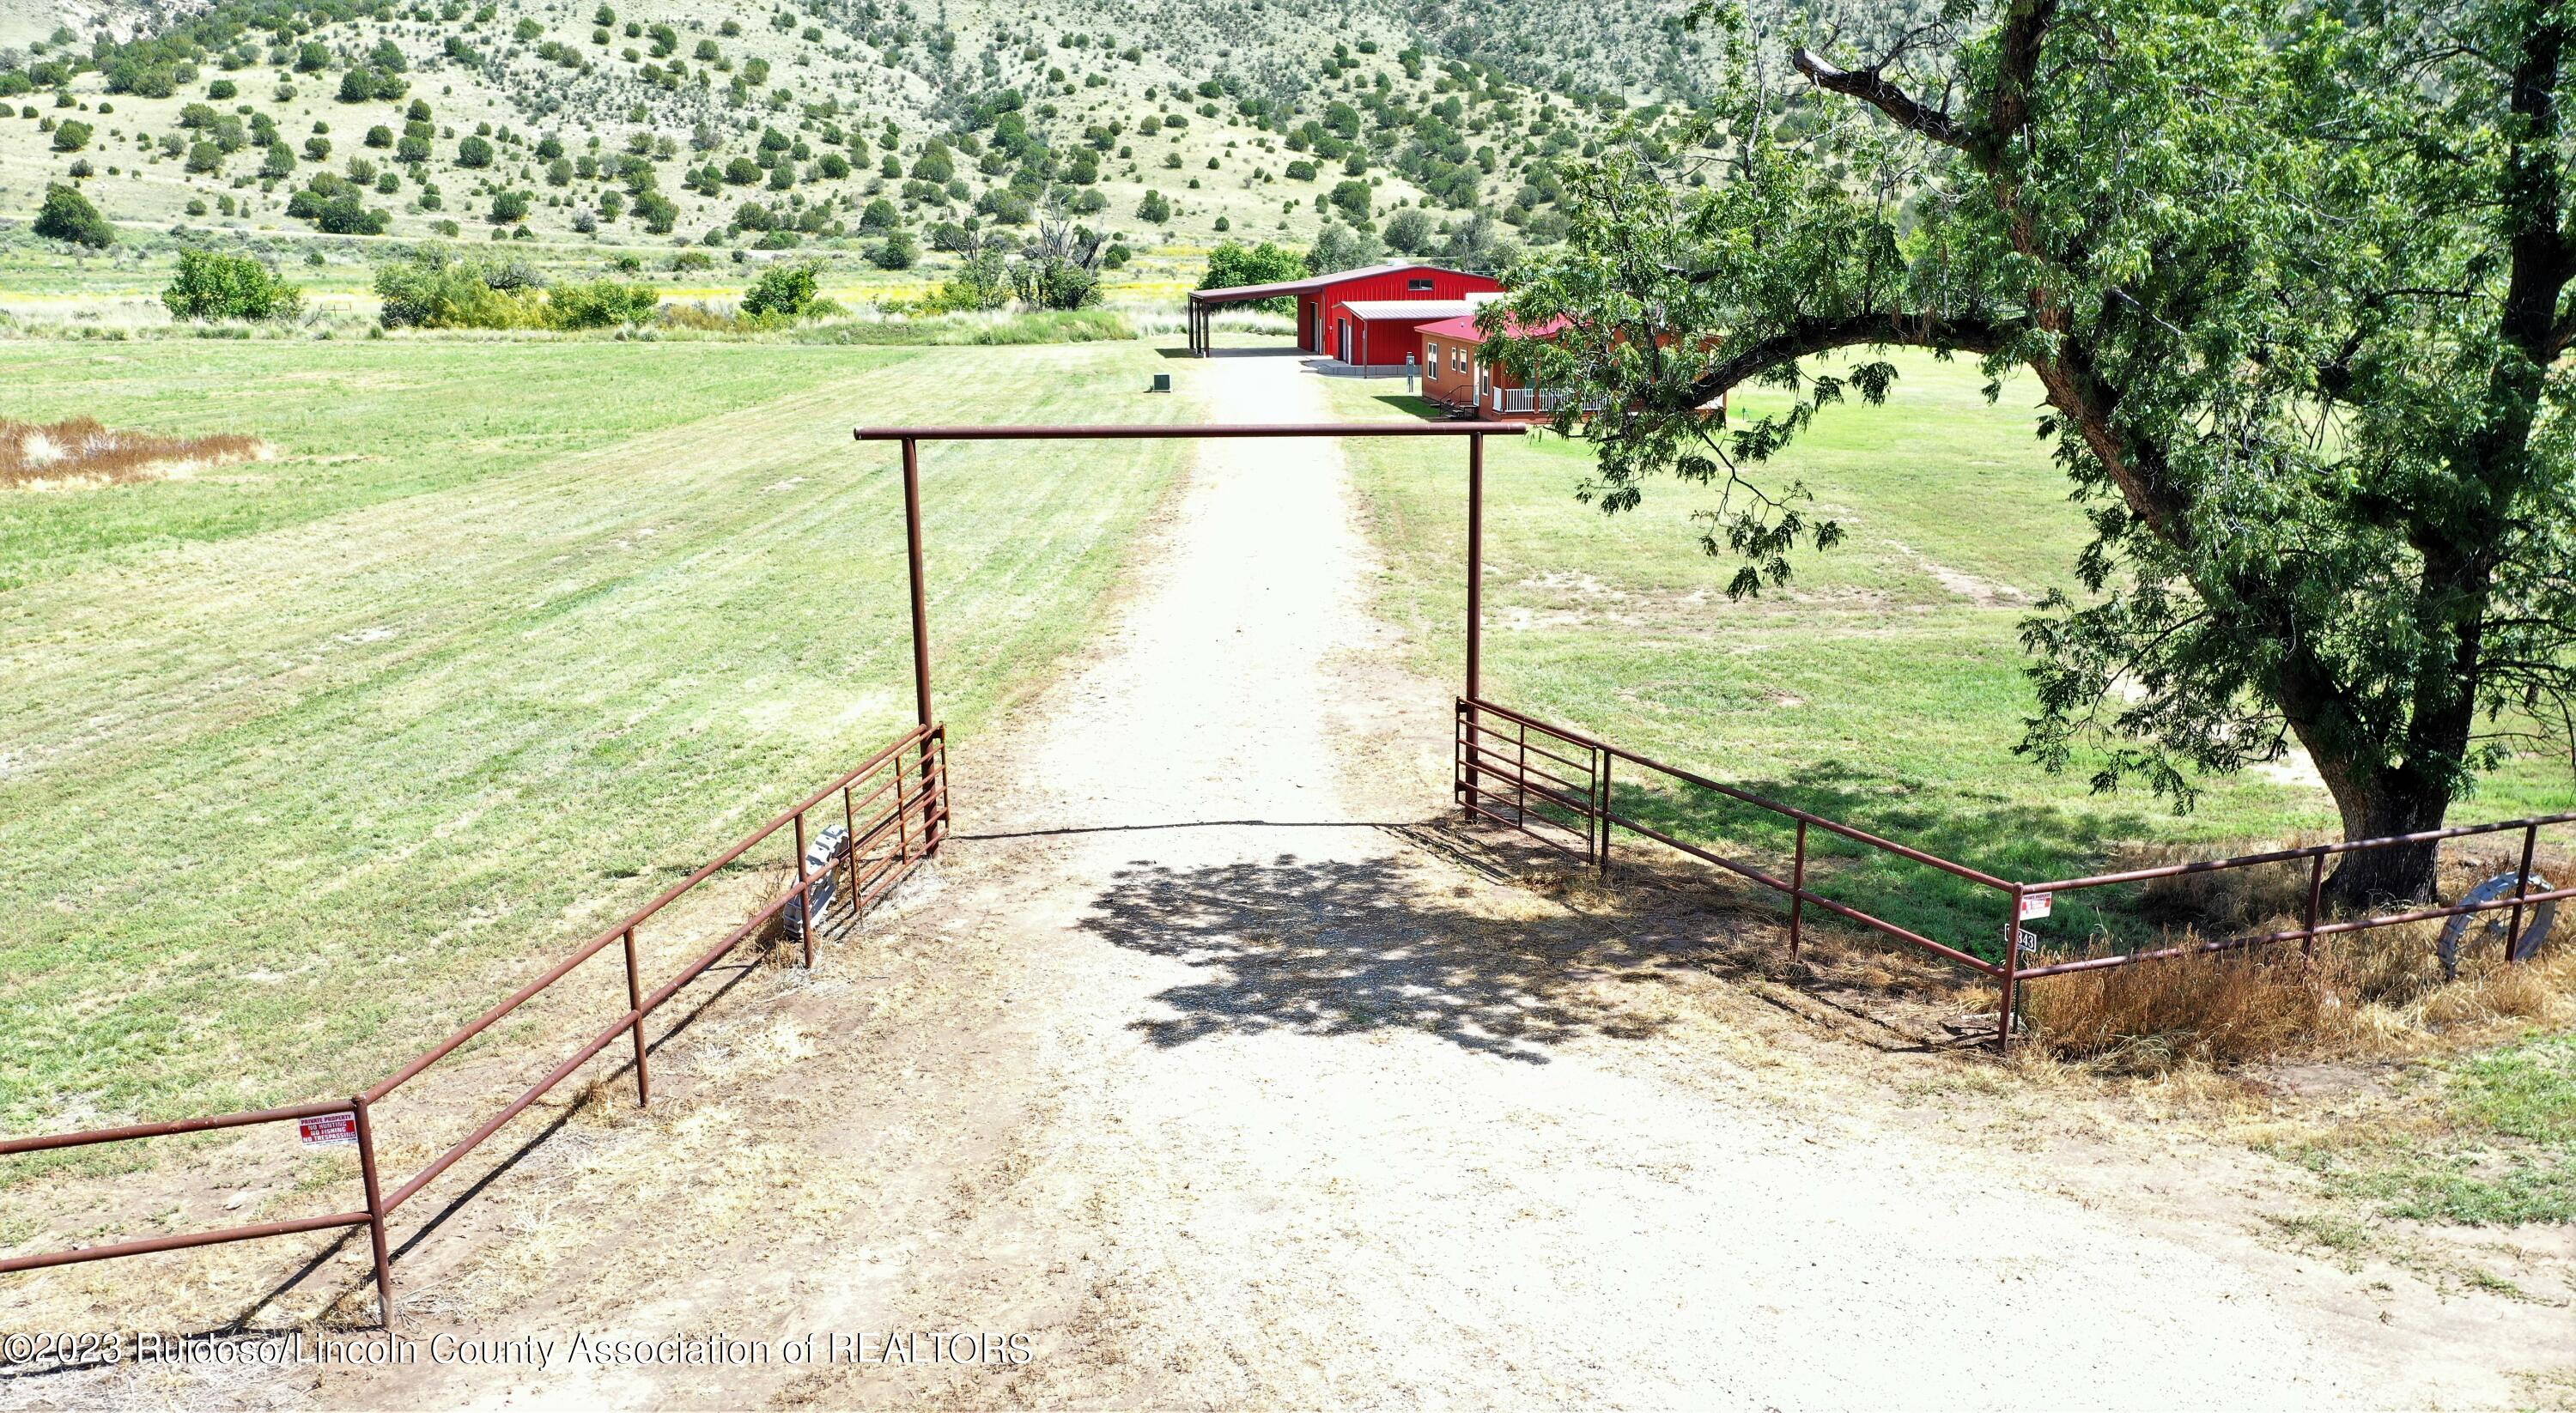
[
  {"x": 1872, "y": 88},
  {"x": 1808, "y": 337}
]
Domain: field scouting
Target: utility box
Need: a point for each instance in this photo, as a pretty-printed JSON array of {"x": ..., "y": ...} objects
[{"x": 1162, "y": 382}]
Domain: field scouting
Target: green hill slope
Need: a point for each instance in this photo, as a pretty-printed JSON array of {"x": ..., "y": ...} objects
[{"x": 1168, "y": 122}]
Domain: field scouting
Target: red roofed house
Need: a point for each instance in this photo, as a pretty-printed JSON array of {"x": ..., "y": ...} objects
[
  {"x": 1456, "y": 373},
  {"x": 1357, "y": 316}
]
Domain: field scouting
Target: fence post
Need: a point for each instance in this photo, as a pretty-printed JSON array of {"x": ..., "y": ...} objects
[
  {"x": 1520, "y": 772},
  {"x": 2012, "y": 975},
  {"x": 920, "y": 605},
  {"x": 2316, "y": 903},
  {"x": 1605, "y": 811},
  {"x": 1475, "y": 604},
  {"x": 2521, "y": 888},
  {"x": 1467, "y": 759},
  {"x": 934, "y": 784},
  {"x": 375, "y": 1213},
  {"x": 850, "y": 855},
  {"x": 804, "y": 895},
  {"x": 635, "y": 1003},
  {"x": 1798, "y": 892}
]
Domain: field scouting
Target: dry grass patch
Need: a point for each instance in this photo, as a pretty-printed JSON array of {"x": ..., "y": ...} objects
[
  {"x": 84, "y": 452},
  {"x": 2375, "y": 995}
]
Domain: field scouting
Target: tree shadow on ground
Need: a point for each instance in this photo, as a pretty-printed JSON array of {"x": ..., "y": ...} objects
[{"x": 1340, "y": 947}]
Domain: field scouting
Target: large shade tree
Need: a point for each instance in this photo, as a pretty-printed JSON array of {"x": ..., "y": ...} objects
[{"x": 2292, "y": 281}]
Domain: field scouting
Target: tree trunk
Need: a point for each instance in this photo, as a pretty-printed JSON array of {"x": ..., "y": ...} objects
[
  {"x": 2374, "y": 880},
  {"x": 2380, "y": 804}
]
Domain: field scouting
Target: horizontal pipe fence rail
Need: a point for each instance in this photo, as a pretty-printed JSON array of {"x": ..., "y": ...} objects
[
  {"x": 1556, "y": 785},
  {"x": 893, "y": 809}
]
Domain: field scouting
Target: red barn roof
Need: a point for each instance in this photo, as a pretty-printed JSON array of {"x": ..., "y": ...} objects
[
  {"x": 1312, "y": 283},
  {"x": 1463, "y": 328}
]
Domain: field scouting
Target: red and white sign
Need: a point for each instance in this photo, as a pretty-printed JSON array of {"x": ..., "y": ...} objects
[
  {"x": 2034, "y": 905},
  {"x": 327, "y": 1130}
]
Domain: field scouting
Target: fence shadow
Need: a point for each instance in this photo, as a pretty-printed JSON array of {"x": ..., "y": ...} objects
[{"x": 1332, "y": 947}]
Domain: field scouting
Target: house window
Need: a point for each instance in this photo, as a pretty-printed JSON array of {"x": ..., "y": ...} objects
[
  {"x": 1458, "y": 358},
  {"x": 1431, "y": 357},
  {"x": 1417, "y": 286}
]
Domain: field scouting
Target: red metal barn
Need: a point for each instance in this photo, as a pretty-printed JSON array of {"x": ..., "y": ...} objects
[{"x": 1325, "y": 321}]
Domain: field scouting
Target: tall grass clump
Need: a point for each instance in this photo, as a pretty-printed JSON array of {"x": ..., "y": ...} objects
[
  {"x": 82, "y": 451},
  {"x": 2378, "y": 993}
]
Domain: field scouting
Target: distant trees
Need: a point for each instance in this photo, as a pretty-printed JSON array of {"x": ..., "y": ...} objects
[
  {"x": 1339, "y": 247},
  {"x": 1155, "y": 209},
  {"x": 782, "y": 292},
  {"x": 898, "y": 251},
  {"x": 1059, "y": 267},
  {"x": 1409, "y": 231},
  {"x": 437, "y": 289},
  {"x": 1234, "y": 264},
  {"x": 68, "y": 216},
  {"x": 1351, "y": 198},
  {"x": 209, "y": 286}
]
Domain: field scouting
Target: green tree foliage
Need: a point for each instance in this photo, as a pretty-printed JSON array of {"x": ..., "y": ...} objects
[
  {"x": 982, "y": 281},
  {"x": 68, "y": 216},
  {"x": 71, "y": 136},
  {"x": 782, "y": 292},
  {"x": 210, "y": 285},
  {"x": 1155, "y": 208},
  {"x": 1339, "y": 247},
  {"x": 1233, "y": 265},
  {"x": 898, "y": 251},
  {"x": 1409, "y": 232},
  {"x": 1351, "y": 199},
  {"x": 2293, "y": 284},
  {"x": 601, "y": 304},
  {"x": 438, "y": 289},
  {"x": 1059, "y": 267}
]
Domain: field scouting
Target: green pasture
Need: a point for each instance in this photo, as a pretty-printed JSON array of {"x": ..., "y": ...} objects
[
  {"x": 1883, "y": 687},
  {"x": 304, "y": 760}
]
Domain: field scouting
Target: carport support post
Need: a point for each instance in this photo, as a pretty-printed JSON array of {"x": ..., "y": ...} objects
[
  {"x": 920, "y": 611},
  {"x": 1475, "y": 605}
]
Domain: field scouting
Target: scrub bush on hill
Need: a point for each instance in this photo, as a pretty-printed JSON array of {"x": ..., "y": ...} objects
[{"x": 68, "y": 215}]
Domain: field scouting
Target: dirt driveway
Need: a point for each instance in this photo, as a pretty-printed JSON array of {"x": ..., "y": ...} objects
[{"x": 1194, "y": 1067}]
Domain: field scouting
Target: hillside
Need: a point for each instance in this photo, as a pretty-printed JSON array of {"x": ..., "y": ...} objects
[{"x": 843, "y": 122}]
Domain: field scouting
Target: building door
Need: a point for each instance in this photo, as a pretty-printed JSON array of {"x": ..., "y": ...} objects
[{"x": 1343, "y": 349}]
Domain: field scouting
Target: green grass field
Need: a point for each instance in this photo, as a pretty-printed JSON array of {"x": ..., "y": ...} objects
[
  {"x": 304, "y": 760},
  {"x": 1884, "y": 687}
]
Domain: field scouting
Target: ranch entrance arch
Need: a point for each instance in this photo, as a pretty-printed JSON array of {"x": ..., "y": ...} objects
[{"x": 1563, "y": 814}]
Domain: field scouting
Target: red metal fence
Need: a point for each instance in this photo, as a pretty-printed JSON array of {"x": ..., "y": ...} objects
[
  {"x": 894, "y": 807},
  {"x": 1557, "y": 786}
]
